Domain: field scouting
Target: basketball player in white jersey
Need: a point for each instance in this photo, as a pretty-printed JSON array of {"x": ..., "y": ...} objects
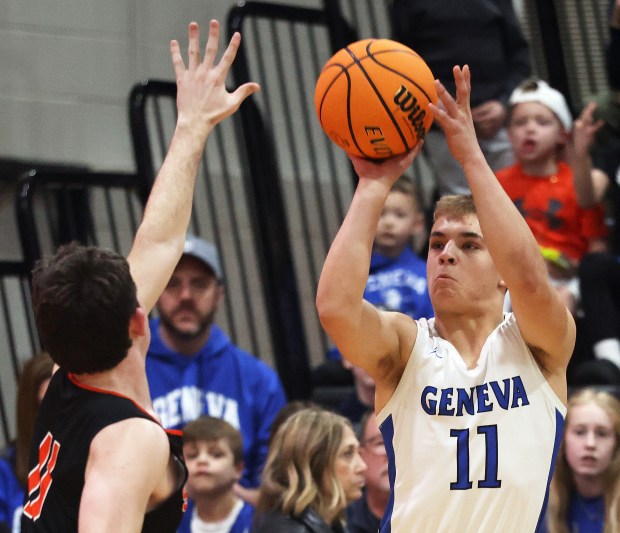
[{"x": 471, "y": 404}]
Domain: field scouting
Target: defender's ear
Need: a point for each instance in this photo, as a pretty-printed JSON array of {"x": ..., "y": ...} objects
[{"x": 138, "y": 323}]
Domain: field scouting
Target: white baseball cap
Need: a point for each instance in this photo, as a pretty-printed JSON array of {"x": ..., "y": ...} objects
[{"x": 541, "y": 92}]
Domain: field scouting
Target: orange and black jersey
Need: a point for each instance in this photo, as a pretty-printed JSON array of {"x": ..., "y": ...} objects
[{"x": 70, "y": 416}]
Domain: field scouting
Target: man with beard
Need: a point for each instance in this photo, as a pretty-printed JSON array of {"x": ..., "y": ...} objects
[{"x": 194, "y": 369}]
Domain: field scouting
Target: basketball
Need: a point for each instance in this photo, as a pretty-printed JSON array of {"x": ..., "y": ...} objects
[{"x": 372, "y": 98}]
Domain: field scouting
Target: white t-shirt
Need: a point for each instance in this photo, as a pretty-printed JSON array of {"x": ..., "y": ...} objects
[{"x": 198, "y": 526}]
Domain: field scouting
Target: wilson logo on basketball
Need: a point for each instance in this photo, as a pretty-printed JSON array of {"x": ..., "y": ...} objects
[
  {"x": 409, "y": 105},
  {"x": 40, "y": 477},
  {"x": 372, "y": 97}
]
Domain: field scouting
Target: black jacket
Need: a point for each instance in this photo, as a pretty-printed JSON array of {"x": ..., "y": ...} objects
[{"x": 308, "y": 522}]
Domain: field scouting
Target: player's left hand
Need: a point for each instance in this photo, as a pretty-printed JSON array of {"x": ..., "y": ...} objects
[{"x": 455, "y": 118}]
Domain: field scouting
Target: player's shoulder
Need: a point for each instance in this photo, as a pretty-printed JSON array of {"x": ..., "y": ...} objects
[{"x": 141, "y": 433}]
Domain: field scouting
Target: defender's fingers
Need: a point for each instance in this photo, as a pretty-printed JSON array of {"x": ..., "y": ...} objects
[
  {"x": 177, "y": 58},
  {"x": 193, "y": 48},
  {"x": 212, "y": 43},
  {"x": 230, "y": 53},
  {"x": 245, "y": 90}
]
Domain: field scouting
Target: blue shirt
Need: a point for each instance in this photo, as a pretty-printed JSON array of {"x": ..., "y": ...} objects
[
  {"x": 399, "y": 284},
  {"x": 11, "y": 492},
  {"x": 222, "y": 381},
  {"x": 586, "y": 515}
]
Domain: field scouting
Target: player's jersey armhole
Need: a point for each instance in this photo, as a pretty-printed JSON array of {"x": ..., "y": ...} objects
[
  {"x": 511, "y": 323},
  {"x": 407, "y": 377}
]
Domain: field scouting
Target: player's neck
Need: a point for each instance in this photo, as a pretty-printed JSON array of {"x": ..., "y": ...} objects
[
  {"x": 128, "y": 378},
  {"x": 468, "y": 333}
]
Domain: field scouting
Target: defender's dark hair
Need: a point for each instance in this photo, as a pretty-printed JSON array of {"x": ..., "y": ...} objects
[{"x": 83, "y": 298}]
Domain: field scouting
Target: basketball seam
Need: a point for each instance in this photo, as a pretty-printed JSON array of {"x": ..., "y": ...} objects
[
  {"x": 386, "y": 67},
  {"x": 379, "y": 96},
  {"x": 326, "y": 92}
]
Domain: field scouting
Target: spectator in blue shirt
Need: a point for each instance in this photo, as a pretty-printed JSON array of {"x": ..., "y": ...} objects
[{"x": 194, "y": 369}]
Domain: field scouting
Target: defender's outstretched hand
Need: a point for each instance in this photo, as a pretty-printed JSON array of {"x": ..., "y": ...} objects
[
  {"x": 202, "y": 98},
  {"x": 455, "y": 117}
]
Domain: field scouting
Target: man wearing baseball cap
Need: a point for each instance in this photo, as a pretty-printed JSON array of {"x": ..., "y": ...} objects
[{"x": 194, "y": 369}]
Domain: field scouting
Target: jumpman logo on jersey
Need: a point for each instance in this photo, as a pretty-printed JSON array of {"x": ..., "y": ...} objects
[{"x": 434, "y": 350}]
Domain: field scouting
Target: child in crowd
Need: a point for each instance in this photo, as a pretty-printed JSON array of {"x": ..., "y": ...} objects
[
  {"x": 585, "y": 488},
  {"x": 546, "y": 189},
  {"x": 397, "y": 276},
  {"x": 213, "y": 452}
]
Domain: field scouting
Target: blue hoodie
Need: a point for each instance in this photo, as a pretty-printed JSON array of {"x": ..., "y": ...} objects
[
  {"x": 399, "y": 284},
  {"x": 222, "y": 381},
  {"x": 11, "y": 492}
]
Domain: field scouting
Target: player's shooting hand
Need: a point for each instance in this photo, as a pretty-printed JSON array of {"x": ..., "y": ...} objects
[
  {"x": 202, "y": 98},
  {"x": 455, "y": 118},
  {"x": 388, "y": 170}
]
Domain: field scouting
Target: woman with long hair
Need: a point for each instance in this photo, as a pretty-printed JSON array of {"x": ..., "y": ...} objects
[
  {"x": 33, "y": 380},
  {"x": 313, "y": 471},
  {"x": 585, "y": 488}
]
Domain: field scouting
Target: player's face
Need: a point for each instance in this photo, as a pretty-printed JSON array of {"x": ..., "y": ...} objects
[
  {"x": 374, "y": 455},
  {"x": 211, "y": 468},
  {"x": 399, "y": 221},
  {"x": 460, "y": 271},
  {"x": 349, "y": 466},
  {"x": 535, "y": 132},
  {"x": 190, "y": 300},
  {"x": 589, "y": 440}
]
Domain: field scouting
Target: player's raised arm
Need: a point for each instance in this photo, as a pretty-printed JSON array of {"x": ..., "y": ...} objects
[
  {"x": 364, "y": 335},
  {"x": 202, "y": 102},
  {"x": 546, "y": 325}
]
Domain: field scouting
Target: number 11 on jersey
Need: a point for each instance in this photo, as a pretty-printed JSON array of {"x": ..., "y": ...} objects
[{"x": 490, "y": 480}]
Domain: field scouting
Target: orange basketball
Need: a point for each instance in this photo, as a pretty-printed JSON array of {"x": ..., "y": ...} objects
[{"x": 372, "y": 98}]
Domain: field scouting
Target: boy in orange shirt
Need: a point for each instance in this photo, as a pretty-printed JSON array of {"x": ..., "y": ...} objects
[{"x": 549, "y": 192}]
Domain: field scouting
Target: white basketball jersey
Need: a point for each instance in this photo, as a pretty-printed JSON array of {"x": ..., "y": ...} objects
[{"x": 470, "y": 450}]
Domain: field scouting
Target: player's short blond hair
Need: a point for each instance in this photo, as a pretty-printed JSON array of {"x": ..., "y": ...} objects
[{"x": 454, "y": 205}]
